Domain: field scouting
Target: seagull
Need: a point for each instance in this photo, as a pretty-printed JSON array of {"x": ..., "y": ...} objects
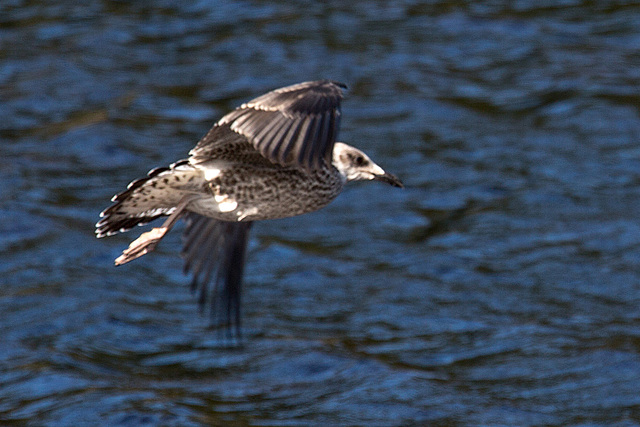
[{"x": 273, "y": 157}]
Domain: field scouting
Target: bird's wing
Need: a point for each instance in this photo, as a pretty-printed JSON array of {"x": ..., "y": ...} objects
[
  {"x": 293, "y": 125},
  {"x": 214, "y": 253}
]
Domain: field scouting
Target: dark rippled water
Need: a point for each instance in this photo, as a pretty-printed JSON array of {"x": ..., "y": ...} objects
[{"x": 501, "y": 287}]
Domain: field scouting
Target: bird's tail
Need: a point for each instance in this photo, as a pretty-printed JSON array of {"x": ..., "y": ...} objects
[{"x": 148, "y": 198}]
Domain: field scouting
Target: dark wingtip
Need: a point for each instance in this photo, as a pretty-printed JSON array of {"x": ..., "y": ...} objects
[{"x": 339, "y": 84}]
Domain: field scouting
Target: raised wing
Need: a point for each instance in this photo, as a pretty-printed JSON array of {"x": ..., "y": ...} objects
[{"x": 293, "y": 125}]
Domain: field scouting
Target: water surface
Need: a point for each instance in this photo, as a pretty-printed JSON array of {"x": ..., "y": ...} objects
[{"x": 501, "y": 287}]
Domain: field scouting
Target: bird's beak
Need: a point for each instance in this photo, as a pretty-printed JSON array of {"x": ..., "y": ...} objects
[{"x": 389, "y": 179}]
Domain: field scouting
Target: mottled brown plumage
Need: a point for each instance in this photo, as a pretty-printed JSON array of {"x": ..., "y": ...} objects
[{"x": 273, "y": 157}]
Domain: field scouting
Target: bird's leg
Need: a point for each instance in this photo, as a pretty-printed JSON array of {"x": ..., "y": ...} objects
[{"x": 148, "y": 241}]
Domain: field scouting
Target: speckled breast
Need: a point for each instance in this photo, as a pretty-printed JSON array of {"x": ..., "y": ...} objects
[{"x": 269, "y": 192}]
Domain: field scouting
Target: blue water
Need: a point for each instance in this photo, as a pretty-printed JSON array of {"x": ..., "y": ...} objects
[{"x": 501, "y": 287}]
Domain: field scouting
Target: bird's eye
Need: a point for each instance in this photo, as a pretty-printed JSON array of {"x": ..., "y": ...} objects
[{"x": 359, "y": 160}]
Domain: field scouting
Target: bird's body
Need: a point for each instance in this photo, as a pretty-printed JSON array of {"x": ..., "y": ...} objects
[
  {"x": 236, "y": 185},
  {"x": 273, "y": 157}
]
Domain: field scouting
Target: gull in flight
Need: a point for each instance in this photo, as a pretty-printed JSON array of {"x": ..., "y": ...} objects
[{"x": 273, "y": 157}]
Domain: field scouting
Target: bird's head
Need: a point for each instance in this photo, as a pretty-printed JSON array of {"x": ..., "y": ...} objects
[{"x": 354, "y": 165}]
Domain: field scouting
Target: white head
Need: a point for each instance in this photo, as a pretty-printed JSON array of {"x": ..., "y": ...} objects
[{"x": 354, "y": 165}]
